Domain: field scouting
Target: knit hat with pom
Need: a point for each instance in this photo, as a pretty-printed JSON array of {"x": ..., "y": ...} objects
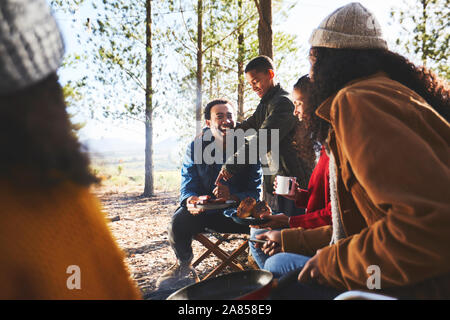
[
  {"x": 31, "y": 45},
  {"x": 352, "y": 27}
]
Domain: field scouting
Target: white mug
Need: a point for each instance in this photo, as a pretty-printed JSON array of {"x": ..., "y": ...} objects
[{"x": 285, "y": 185}]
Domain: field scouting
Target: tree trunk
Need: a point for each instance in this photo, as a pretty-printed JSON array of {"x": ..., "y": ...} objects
[
  {"x": 240, "y": 62},
  {"x": 211, "y": 74},
  {"x": 424, "y": 31},
  {"x": 265, "y": 27},
  {"x": 149, "y": 182},
  {"x": 198, "y": 110}
]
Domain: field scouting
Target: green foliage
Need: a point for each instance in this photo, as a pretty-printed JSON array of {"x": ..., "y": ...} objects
[
  {"x": 72, "y": 96},
  {"x": 222, "y": 21},
  {"x": 426, "y": 34},
  {"x": 114, "y": 57},
  {"x": 112, "y": 62}
]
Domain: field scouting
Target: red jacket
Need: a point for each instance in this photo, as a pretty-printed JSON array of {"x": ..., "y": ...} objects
[{"x": 316, "y": 199}]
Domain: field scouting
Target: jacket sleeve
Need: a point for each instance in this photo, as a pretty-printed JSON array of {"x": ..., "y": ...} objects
[
  {"x": 190, "y": 180},
  {"x": 254, "y": 185},
  {"x": 402, "y": 165},
  {"x": 313, "y": 219},
  {"x": 301, "y": 198},
  {"x": 250, "y": 122},
  {"x": 279, "y": 117},
  {"x": 305, "y": 241}
]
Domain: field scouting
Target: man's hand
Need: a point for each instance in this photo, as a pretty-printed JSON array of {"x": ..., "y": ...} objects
[
  {"x": 310, "y": 272},
  {"x": 273, "y": 242},
  {"x": 191, "y": 204},
  {"x": 276, "y": 221},
  {"x": 222, "y": 192},
  {"x": 223, "y": 174}
]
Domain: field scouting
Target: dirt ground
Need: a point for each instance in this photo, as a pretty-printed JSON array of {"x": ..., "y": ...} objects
[{"x": 140, "y": 228}]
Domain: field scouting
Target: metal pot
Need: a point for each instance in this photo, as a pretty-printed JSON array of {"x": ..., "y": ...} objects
[{"x": 242, "y": 285}]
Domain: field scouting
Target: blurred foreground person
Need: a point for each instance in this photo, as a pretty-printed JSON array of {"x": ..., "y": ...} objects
[
  {"x": 54, "y": 240},
  {"x": 389, "y": 135}
]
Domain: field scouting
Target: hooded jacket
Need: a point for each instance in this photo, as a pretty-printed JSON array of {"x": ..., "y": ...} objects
[{"x": 393, "y": 175}]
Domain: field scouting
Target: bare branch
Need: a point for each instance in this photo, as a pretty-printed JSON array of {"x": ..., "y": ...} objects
[
  {"x": 183, "y": 44},
  {"x": 232, "y": 32},
  {"x": 185, "y": 25}
]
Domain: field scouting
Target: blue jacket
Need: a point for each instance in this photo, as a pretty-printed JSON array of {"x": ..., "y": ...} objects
[{"x": 198, "y": 179}]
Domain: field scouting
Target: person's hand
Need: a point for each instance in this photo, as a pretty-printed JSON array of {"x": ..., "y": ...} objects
[
  {"x": 191, "y": 204},
  {"x": 223, "y": 174},
  {"x": 273, "y": 242},
  {"x": 222, "y": 192},
  {"x": 276, "y": 221},
  {"x": 311, "y": 272},
  {"x": 289, "y": 197}
]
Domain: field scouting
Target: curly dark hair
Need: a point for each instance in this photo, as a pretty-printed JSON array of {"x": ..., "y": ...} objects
[
  {"x": 332, "y": 69},
  {"x": 38, "y": 146}
]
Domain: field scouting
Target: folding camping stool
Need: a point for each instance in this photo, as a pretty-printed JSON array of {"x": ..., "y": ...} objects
[{"x": 227, "y": 259}]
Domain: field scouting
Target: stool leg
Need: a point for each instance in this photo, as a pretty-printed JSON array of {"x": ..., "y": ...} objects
[
  {"x": 236, "y": 266},
  {"x": 205, "y": 253},
  {"x": 216, "y": 250}
]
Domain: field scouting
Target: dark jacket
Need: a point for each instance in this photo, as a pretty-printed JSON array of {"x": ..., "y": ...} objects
[
  {"x": 275, "y": 111},
  {"x": 198, "y": 179}
]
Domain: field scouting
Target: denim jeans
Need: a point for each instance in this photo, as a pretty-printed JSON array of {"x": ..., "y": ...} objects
[
  {"x": 185, "y": 225},
  {"x": 259, "y": 256},
  {"x": 284, "y": 262}
]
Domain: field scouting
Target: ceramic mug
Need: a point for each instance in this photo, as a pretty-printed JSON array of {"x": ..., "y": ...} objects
[{"x": 285, "y": 185}]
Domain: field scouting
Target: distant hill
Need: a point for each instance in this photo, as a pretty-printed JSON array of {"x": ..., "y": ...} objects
[
  {"x": 111, "y": 145},
  {"x": 114, "y": 145},
  {"x": 165, "y": 153}
]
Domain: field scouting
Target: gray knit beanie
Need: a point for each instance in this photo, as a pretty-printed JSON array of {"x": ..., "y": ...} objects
[
  {"x": 351, "y": 26},
  {"x": 31, "y": 45}
]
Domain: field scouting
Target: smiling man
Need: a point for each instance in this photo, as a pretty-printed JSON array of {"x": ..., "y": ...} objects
[
  {"x": 197, "y": 187},
  {"x": 274, "y": 112},
  {"x": 220, "y": 120}
]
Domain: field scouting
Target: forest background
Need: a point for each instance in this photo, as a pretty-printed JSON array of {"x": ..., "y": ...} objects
[{"x": 137, "y": 73}]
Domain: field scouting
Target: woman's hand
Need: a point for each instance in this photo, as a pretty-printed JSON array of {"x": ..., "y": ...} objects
[
  {"x": 311, "y": 272},
  {"x": 290, "y": 197},
  {"x": 273, "y": 242},
  {"x": 276, "y": 221}
]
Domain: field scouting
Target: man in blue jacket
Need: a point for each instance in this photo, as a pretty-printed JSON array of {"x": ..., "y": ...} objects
[{"x": 201, "y": 165}]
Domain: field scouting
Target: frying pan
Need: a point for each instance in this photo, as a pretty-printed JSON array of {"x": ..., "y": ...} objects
[{"x": 241, "y": 285}]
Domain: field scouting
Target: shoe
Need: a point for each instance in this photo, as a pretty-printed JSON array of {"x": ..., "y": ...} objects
[{"x": 180, "y": 275}]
